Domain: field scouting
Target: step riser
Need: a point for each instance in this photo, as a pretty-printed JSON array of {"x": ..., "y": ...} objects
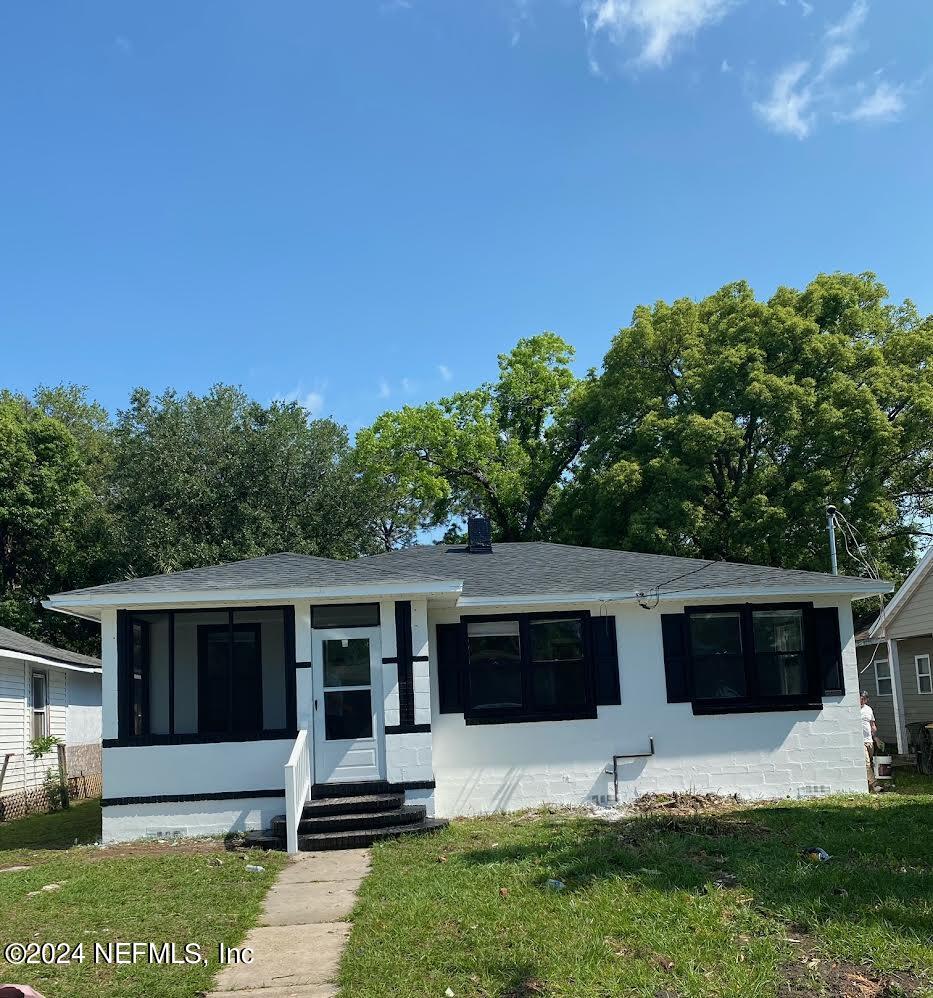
[
  {"x": 320, "y": 790},
  {"x": 363, "y": 839},
  {"x": 383, "y": 802},
  {"x": 410, "y": 815}
]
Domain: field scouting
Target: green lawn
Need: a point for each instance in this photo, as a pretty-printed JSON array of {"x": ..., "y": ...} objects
[
  {"x": 194, "y": 892},
  {"x": 659, "y": 906}
]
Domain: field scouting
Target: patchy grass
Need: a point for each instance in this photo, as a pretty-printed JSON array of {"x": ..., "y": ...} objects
[
  {"x": 908, "y": 781},
  {"x": 192, "y": 892},
  {"x": 658, "y": 906}
]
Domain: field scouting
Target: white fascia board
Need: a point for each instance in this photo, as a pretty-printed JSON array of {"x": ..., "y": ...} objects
[
  {"x": 234, "y": 597},
  {"x": 22, "y": 656},
  {"x": 868, "y": 589},
  {"x": 903, "y": 594}
]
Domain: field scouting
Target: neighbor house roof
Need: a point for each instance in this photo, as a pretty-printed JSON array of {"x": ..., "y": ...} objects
[
  {"x": 510, "y": 572},
  {"x": 18, "y": 644}
]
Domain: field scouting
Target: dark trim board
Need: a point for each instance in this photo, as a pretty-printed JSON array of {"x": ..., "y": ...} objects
[
  {"x": 303, "y": 665},
  {"x": 403, "y": 648},
  {"x": 390, "y": 660},
  {"x": 397, "y": 788},
  {"x": 584, "y": 714},
  {"x": 407, "y": 729},
  {"x": 421, "y": 658},
  {"x": 184, "y": 798},
  {"x": 701, "y": 709},
  {"x": 219, "y": 738}
]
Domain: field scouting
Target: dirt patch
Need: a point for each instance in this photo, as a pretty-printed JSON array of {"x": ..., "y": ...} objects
[
  {"x": 683, "y": 803},
  {"x": 123, "y": 850},
  {"x": 812, "y": 973}
]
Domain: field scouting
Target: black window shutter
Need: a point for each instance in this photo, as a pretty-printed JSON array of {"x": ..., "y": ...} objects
[
  {"x": 449, "y": 659},
  {"x": 676, "y": 672},
  {"x": 828, "y": 649},
  {"x": 605, "y": 659},
  {"x": 124, "y": 676}
]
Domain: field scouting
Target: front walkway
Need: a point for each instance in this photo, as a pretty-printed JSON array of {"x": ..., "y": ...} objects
[{"x": 302, "y": 932}]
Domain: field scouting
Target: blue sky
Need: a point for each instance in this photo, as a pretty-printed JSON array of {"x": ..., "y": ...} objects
[{"x": 359, "y": 204}]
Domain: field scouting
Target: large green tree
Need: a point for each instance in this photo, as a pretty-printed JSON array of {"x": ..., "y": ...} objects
[
  {"x": 48, "y": 509},
  {"x": 201, "y": 480},
  {"x": 721, "y": 428},
  {"x": 504, "y": 449}
]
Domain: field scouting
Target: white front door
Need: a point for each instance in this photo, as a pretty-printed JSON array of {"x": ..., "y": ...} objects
[{"x": 348, "y": 729}]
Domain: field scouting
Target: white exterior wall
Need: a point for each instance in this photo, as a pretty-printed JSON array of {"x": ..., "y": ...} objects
[
  {"x": 122, "y": 823},
  {"x": 485, "y": 768},
  {"x": 83, "y": 726}
]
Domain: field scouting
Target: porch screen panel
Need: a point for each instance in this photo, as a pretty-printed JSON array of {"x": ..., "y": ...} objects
[
  {"x": 188, "y": 684},
  {"x": 267, "y": 684}
]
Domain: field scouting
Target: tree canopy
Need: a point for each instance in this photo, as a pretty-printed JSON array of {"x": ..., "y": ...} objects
[
  {"x": 722, "y": 428},
  {"x": 504, "y": 449}
]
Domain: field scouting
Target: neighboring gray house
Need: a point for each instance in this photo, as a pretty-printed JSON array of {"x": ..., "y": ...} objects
[
  {"x": 45, "y": 691},
  {"x": 895, "y": 659}
]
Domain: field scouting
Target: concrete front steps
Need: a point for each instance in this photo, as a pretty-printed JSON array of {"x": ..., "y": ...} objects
[{"x": 350, "y": 816}]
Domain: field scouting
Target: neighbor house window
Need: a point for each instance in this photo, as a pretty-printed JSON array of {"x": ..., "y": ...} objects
[
  {"x": 924, "y": 674},
  {"x": 40, "y": 705},
  {"x": 528, "y": 667},
  {"x": 749, "y": 655},
  {"x": 882, "y": 677}
]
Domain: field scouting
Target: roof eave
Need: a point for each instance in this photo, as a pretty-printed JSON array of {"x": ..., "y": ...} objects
[
  {"x": 888, "y": 613},
  {"x": 866, "y": 588},
  {"x": 25, "y": 656},
  {"x": 92, "y": 603}
]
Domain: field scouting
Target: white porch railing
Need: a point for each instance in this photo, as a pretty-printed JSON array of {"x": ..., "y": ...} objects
[{"x": 297, "y": 787}]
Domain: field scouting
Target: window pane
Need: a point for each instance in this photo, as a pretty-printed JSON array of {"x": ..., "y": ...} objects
[
  {"x": 247, "y": 679},
  {"x": 346, "y": 615},
  {"x": 38, "y": 724},
  {"x": 38, "y": 691},
  {"x": 346, "y": 662},
  {"x": 348, "y": 714},
  {"x": 556, "y": 640},
  {"x": 495, "y": 665},
  {"x": 718, "y": 662},
  {"x": 558, "y": 684},
  {"x": 882, "y": 678},
  {"x": 214, "y": 692},
  {"x": 778, "y": 630}
]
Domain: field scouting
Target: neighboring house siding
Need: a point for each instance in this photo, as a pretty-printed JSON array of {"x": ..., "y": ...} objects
[
  {"x": 916, "y": 615},
  {"x": 22, "y": 772},
  {"x": 917, "y": 706},
  {"x": 483, "y": 768}
]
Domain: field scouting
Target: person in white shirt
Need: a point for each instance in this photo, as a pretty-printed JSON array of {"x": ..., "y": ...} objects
[{"x": 869, "y": 735}]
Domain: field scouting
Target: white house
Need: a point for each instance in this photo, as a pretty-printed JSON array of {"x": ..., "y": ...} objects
[
  {"x": 336, "y": 702},
  {"x": 45, "y": 691}
]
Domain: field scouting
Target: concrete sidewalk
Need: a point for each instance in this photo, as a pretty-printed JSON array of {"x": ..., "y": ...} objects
[{"x": 302, "y": 932}]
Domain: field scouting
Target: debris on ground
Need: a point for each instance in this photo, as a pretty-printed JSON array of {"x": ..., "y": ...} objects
[
  {"x": 555, "y": 885},
  {"x": 255, "y": 869},
  {"x": 685, "y": 803},
  {"x": 816, "y": 855},
  {"x": 15, "y": 869},
  {"x": 47, "y": 888}
]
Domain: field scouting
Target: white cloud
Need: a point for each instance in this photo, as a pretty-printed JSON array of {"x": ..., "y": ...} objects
[
  {"x": 408, "y": 386},
  {"x": 804, "y": 91},
  {"x": 725, "y": 67},
  {"x": 787, "y": 108},
  {"x": 657, "y": 26},
  {"x": 384, "y": 390},
  {"x": 884, "y": 103},
  {"x": 445, "y": 372},
  {"x": 806, "y": 8},
  {"x": 312, "y": 402}
]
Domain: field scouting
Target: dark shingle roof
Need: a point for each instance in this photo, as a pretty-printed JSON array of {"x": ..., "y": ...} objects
[
  {"x": 517, "y": 569},
  {"x": 520, "y": 569},
  {"x": 15, "y": 642},
  {"x": 286, "y": 570}
]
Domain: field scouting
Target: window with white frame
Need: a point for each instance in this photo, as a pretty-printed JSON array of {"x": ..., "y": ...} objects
[
  {"x": 924, "y": 673},
  {"x": 40, "y": 705},
  {"x": 883, "y": 677}
]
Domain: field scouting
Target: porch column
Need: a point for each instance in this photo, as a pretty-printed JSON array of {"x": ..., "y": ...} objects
[
  {"x": 110, "y": 710},
  {"x": 303, "y": 681},
  {"x": 897, "y": 695},
  {"x": 406, "y": 681}
]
